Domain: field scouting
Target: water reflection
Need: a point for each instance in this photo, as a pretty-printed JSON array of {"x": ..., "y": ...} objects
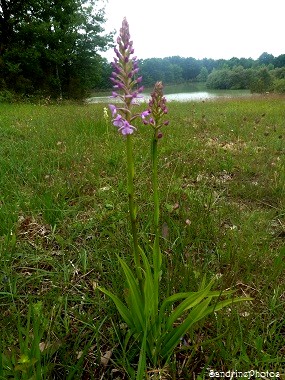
[
  {"x": 187, "y": 96},
  {"x": 180, "y": 96}
]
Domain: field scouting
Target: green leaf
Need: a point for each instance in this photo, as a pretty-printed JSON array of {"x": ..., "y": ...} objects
[
  {"x": 142, "y": 359},
  {"x": 170, "y": 340},
  {"x": 189, "y": 302},
  {"x": 174, "y": 298},
  {"x": 24, "y": 359},
  {"x": 122, "y": 309},
  {"x": 134, "y": 298},
  {"x": 220, "y": 305},
  {"x": 150, "y": 296},
  {"x": 151, "y": 301},
  {"x": 157, "y": 259}
]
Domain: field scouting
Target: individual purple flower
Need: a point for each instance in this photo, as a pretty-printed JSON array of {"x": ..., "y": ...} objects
[
  {"x": 123, "y": 125},
  {"x": 113, "y": 109},
  {"x": 118, "y": 121},
  {"x": 126, "y": 128},
  {"x": 144, "y": 114}
]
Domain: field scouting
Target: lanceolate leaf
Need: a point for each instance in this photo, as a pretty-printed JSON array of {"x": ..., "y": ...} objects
[
  {"x": 150, "y": 291},
  {"x": 151, "y": 305},
  {"x": 188, "y": 303},
  {"x": 135, "y": 299},
  {"x": 170, "y": 340},
  {"x": 220, "y": 305},
  {"x": 122, "y": 309},
  {"x": 179, "y": 296},
  {"x": 141, "y": 372}
]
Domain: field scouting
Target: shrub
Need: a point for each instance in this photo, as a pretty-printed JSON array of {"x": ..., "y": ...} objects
[
  {"x": 279, "y": 86},
  {"x": 7, "y": 96}
]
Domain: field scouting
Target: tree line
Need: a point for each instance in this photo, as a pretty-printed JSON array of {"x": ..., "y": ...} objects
[
  {"x": 267, "y": 73},
  {"x": 53, "y": 48}
]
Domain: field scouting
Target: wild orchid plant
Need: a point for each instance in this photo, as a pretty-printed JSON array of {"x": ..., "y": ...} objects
[{"x": 155, "y": 325}]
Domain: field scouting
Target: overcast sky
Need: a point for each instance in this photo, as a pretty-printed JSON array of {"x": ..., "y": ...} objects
[{"x": 201, "y": 28}]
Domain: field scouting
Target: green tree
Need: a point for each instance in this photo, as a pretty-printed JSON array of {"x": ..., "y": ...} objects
[
  {"x": 279, "y": 73},
  {"x": 262, "y": 81},
  {"x": 191, "y": 68},
  {"x": 153, "y": 70},
  {"x": 279, "y": 86},
  {"x": 51, "y": 46},
  {"x": 220, "y": 79},
  {"x": 240, "y": 78},
  {"x": 203, "y": 75},
  {"x": 266, "y": 59},
  {"x": 279, "y": 61}
]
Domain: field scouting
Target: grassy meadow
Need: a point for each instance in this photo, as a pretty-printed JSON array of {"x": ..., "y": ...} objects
[{"x": 64, "y": 218}]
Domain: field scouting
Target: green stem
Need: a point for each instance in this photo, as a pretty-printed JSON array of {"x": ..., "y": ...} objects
[
  {"x": 155, "y": 184},
  {"x": 156, "y": 248},
  {"x": 132, "y": 205}
]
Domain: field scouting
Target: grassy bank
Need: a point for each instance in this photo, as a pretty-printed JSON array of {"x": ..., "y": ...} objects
[{"x": 63, "y": 219}]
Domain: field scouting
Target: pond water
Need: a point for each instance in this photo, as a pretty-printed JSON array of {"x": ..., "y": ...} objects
[{"x": 180, "y": 93}]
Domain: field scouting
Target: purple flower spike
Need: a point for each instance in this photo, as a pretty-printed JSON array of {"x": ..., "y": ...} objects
[
  {"x": 125, "y": 82},
  {"x": 158, "y": 109}
]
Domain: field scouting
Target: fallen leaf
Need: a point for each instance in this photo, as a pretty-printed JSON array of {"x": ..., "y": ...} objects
[
  {"x": 176, "y": 206},
  {"x": 106, "y": 357},
  {"x": 165, "y": 231},
  {"x": 42, "y": 346}
]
